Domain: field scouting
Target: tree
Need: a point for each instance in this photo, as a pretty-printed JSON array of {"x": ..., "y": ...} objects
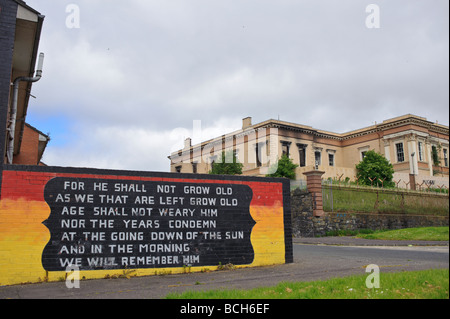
[
  {"x": 375, "y": 170},
  {"x": 284, "y": 168},
  {"x": 229, "y": 165}
]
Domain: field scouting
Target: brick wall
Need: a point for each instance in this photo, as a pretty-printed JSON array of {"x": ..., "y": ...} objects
[
  {"x": 107, "y": 222},
  {"x": 29, "y": 147},
  {"x": 314, "y": 182},
  {"x": 8, "y": 13}
]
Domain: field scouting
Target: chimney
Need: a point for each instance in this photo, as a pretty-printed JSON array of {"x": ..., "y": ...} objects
[
  {"x": 187, "y": 143},
  {"x": 246, "y": 123}
]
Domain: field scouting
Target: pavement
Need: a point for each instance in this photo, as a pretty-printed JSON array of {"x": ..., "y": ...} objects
[
  {"x": 353, "y": 241},
  {"x": 314, "y": 259}
]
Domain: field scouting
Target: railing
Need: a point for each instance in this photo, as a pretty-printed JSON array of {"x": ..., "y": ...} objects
[
  {"x": 346, "y": 197},
  {"x": 299, "y": 184}
]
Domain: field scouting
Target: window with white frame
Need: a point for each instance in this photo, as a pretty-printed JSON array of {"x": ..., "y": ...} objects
[
  {"x": 400, "y": 152},
  {"x": 421, "y": 159}
]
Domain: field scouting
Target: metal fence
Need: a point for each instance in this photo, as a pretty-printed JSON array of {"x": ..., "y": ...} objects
[
  {"x": 343, "y": 197},
  {"x": 299, "y": 184}
]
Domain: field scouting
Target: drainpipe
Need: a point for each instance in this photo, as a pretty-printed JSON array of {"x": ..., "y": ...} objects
[{"x": 13, "y": 116}]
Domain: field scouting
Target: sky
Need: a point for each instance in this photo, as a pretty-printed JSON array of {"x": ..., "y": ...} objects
[{"x": 124, "y": 81}]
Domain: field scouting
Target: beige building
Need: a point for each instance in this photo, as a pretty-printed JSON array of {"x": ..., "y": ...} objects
[{"x": 408, "y": 142}]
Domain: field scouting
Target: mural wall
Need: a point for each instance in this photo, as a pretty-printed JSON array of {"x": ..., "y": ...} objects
[{"x": 109, "y": 223}]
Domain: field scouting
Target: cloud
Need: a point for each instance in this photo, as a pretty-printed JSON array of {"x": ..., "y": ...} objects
[
  {"x": 235, "y": 88},
  {"x": 113, "y": 147},
  {"x": 123, "y": 147},
  {"x": 140, "y": 69}
]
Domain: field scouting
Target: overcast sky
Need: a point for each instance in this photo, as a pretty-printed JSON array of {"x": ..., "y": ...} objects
[{"x": 123, "y": 89}]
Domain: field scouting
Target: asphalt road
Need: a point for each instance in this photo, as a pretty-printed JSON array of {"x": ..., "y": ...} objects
[{"x": 311, "y": 262}]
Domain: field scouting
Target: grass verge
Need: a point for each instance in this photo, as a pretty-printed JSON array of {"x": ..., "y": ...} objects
[
  {"x": 428, "y": 284},
  {"x": 425, "y": 233},
  {"x": 378, "y": 200}
]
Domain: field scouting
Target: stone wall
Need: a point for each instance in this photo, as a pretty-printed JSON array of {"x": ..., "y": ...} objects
[
  {"x": 304, "y": 224},
  {"x": 302, "y": 214}
]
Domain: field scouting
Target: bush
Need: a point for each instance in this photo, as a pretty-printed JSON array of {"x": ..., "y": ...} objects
[
  {"x": 375, "y": 170},
  {"x": 285, "y": 168},
  {"x": 229, "y": 165}
]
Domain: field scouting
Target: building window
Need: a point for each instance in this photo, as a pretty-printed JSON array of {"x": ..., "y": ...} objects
[
  {"x": 363, "y": 151},
  {"x": 236, "y": 155},
  {"x": 421, "y": 151},
  {"x": 194, "y": 168},
  {"x": 400, "y": 152},
  {"x": 331, "y": 154},
  {"x": 178, "y": 169},
  {"x": 302, "y": 154},
  {"x": 331, "y": 159},
  {"x": 317, "y": 158},
  {"x": 258, "y": 148},
  {"x": 435, "y": 156},
  {"x": 212, "y": 160},
  {"x": 445, "y": 157},
  {"x": 285, "y": 148}
]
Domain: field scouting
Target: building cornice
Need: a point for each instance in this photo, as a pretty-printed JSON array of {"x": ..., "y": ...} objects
[{"x": 305, "y": 130}]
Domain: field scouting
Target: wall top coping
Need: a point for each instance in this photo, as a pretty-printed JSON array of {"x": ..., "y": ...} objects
[{"x": 314, "y": 173}]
